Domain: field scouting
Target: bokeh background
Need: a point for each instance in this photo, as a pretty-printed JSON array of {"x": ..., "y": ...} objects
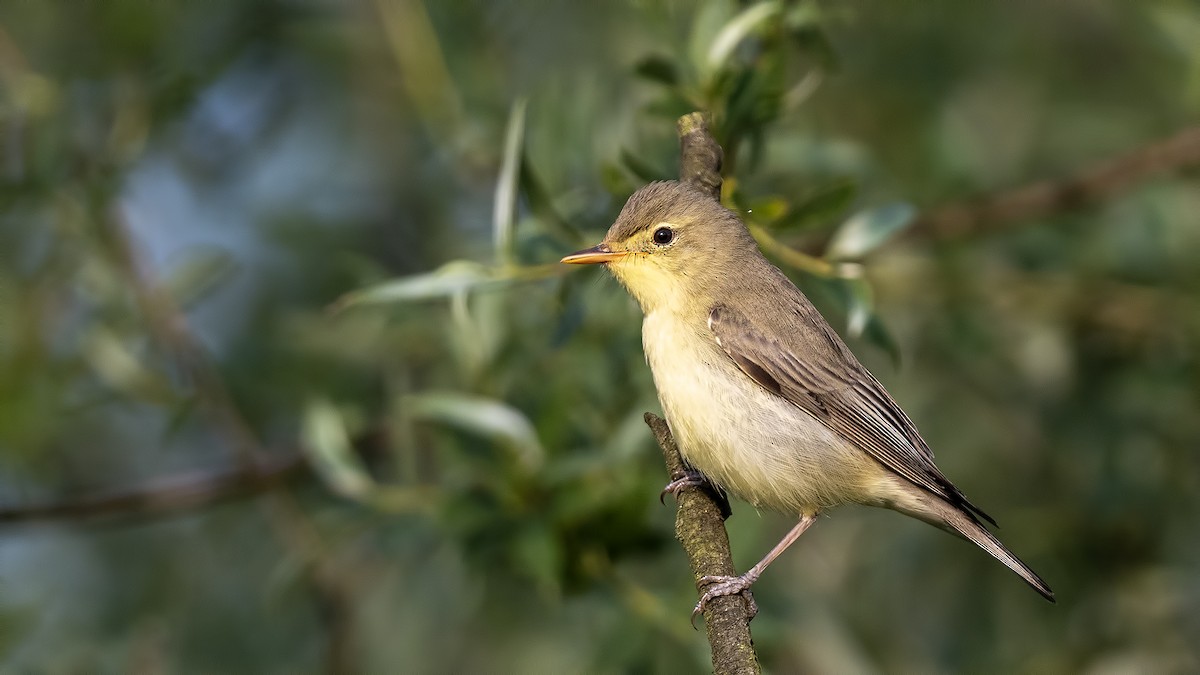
[{"x": 290, "y": 380}]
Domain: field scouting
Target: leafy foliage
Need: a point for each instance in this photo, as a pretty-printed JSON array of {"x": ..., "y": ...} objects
[{"x": 236, "y": 232}]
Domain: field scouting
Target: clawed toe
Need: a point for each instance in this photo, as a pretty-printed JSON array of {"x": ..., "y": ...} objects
[
  {"x": 721, "y": 586},
  {"x": 687, "y": 480},
  {"x": 690, "y": 478}
]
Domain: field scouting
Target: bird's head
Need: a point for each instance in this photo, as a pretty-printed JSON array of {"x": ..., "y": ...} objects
[{"x": 672, "y": 245}]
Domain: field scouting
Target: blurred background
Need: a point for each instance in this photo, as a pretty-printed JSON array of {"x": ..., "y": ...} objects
[{"x": 290, "y": 380}]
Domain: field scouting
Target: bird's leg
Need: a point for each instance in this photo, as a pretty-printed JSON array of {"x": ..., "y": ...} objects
[
  {"x": 721, "y": 585},
  {"x": 689, "y": 478}
]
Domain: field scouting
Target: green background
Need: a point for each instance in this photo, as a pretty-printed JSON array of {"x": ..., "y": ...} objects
[{"x": 461, "y": 478}]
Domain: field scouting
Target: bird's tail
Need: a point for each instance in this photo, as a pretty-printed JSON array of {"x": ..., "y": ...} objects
[{"x": 957, "y": 521}]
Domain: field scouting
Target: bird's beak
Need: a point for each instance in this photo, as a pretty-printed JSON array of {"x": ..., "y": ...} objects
[{"x": 600, "y": 253}]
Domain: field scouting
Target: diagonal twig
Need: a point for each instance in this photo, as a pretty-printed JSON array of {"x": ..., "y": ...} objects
[
  {"x": 175, "y": 494},
  {"x": 169, "y": 328},
  {"x": 1047, "y": 197}
]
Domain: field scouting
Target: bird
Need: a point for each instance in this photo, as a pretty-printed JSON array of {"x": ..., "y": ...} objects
[{"x": 764, "y": 398}]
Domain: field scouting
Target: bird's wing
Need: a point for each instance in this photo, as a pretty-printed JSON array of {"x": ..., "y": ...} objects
[{"x": 849, "y": 401}]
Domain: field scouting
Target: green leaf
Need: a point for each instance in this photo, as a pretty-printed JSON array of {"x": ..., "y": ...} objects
[
  {"x": 1180, "y": 24},
  {"x": 804, "y": 24},
  {"x": 818, "y": 207},
  {"x": 745, "y": 24},
  {"x": 803, "y": 15},
  {"x": 866, "y": 230},
  {"x": 708, "y": 22},
  {"x": 862, "y": 320},
  {"x": 672, "y": 105},
  {"x": 658, "y": 68},
  {"x": 486, "y": 417},
  {"x": 860, "y": 304},
  {"x": 505, "y": 206},
  {"x": 118, "y": 366},
  {"x": 327, "y": 446},
  {"x": 449, "y": 279}
]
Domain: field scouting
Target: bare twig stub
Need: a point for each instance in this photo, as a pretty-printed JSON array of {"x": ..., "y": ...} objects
[
  {"x": 700, "y": 155},
  {"x": 1044, "y": 198},
  {"x": 700, "y": 520}
]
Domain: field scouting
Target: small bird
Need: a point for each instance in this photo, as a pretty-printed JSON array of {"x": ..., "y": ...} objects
[{"x": 763, "y": 397}]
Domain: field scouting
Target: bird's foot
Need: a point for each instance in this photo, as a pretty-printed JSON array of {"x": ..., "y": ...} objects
[
  {"x": 720, "y": 586},
  {"x": 690, "y": 478}
]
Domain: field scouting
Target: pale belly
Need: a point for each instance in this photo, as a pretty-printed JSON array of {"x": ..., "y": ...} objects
[{"x": 749, "y": 441}]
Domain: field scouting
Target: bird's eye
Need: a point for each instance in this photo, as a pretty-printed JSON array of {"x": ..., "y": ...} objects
[{"x": 663, "y": 236}]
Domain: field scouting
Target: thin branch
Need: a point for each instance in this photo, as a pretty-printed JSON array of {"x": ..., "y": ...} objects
[
  {"x": 169, "y": 327},
  {"x": 165, "y": 496},
  {"x": 700, "y": 520},
  {"x": 700, "y": 527},
  {"x": 1045, "y": 198}
]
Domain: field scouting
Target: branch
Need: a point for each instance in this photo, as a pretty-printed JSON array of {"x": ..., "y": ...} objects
[
  {"x": 1048, "y": 197},
  {"x": 700, "y": 520},
  {"x": 299, "y": 536},
  {"x": 700, "y": 527},
  {"x": 165, "y": 496}
]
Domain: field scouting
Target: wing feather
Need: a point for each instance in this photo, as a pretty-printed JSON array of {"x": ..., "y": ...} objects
[{"x": 849, "y": 401}]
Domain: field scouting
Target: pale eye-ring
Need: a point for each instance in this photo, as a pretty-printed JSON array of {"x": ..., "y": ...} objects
[{"x": 663, "y": 236}]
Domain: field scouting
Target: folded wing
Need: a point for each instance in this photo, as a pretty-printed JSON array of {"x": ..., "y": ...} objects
[{"x": 848, "y": 400}]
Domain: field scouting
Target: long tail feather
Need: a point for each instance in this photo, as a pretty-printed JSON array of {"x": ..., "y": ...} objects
[{"x": 955, "y": 520}]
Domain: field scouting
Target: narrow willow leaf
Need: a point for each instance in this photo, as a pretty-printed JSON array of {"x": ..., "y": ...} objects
[
  {"x": 862, "y": 319},
  {"x": 710, "y": 18},
  {"x": 824, "y": 204},
  {"x": 746, "y": 23},
  {"x": 486, "y": 417},
  {"x": 453, "y": 277},
  {"x": 122, "y": 369},
  {"x": 504, "y": 209},
  {"x": 658, "y": 68},
  {"x": 866, "y": 230},
  {"x": 328, "y": 447},
  {"x": 803, "y": 15},
  {"x": 672, "y": 105},
  {"x": 860, "y": 305}
]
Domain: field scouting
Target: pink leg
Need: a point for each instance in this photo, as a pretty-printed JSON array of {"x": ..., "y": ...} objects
[{"x": 720, "y": 585}]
